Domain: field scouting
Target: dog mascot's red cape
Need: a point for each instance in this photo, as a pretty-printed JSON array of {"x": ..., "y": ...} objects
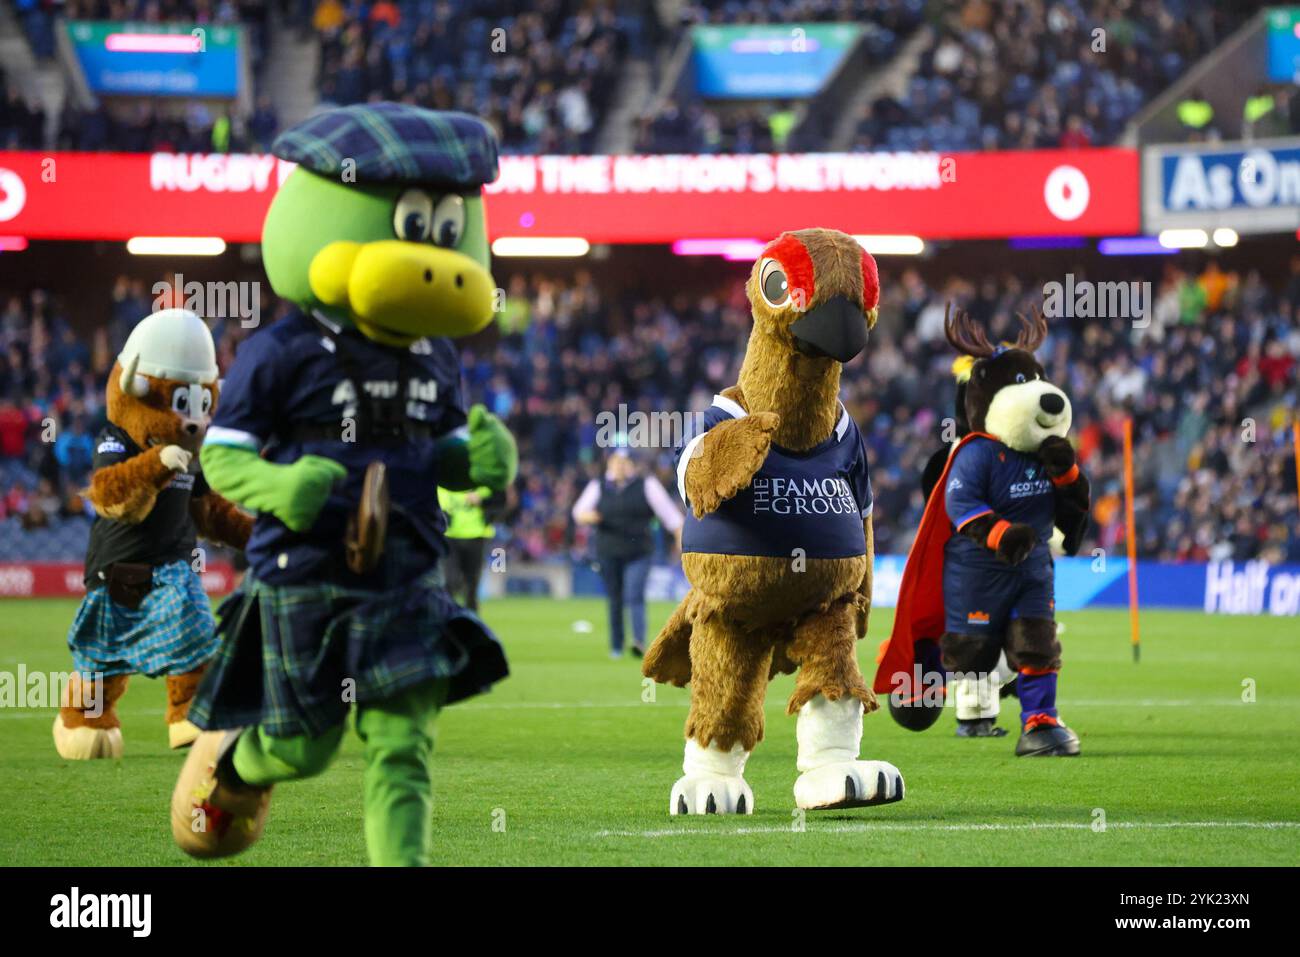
[{"x": 919, "y": 614}]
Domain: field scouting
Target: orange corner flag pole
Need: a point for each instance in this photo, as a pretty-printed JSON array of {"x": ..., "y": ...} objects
[
  {"x": 1130, "y": 536},
  {"x": 1295, "y": 443}
]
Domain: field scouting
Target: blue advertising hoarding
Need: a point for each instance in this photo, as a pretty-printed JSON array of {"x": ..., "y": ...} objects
[
  {"x": 157, "y": 59},
  {"x": 1217, "y": 588},
  {"x": 1249, "y": 187},
  {"x": 791, "y": 60}
]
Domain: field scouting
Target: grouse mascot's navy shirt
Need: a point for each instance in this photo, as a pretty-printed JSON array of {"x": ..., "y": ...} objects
[
  {"x": 289, "y": 376},
  {"x": 814, "y": 501},
  {"x": 987, "y": 476}
]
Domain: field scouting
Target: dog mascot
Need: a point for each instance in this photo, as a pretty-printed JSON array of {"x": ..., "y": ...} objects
[
  {"x": 777, "y": 544},
  {"x": 145, "y": 611},
  {"x": 984, "y": 537},
  {"x": 340, "y": 422},
  {"x": 976, "y": 697}
]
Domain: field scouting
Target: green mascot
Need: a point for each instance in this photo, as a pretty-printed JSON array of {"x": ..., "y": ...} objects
[{"x": 337, "y": 425}]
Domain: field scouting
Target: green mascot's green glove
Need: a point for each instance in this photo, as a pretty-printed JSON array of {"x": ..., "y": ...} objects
[
  {"x": 493, "y": 455},
  {"x": 293, "y": 493},
  {"x": 489, "y": 458}
]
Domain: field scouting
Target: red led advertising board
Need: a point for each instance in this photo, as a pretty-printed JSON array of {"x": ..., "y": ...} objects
[{"x": 612, "y": 199}]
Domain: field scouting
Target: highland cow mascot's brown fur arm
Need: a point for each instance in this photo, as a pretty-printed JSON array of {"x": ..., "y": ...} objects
[
  {"x": 221, "y": 521},
  {"x": 127, "y": 491}
]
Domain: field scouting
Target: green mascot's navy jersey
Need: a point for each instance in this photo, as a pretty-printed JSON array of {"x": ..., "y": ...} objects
[
  {"x": 812, "y": 501},
  {"x": 288, "y": 395},
  {"x": 987, "y": 476}
]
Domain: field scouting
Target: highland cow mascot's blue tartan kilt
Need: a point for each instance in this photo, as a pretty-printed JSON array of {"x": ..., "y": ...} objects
[
  {"x": 295, "y": 657},
  {"x": 171, "y": 633}
]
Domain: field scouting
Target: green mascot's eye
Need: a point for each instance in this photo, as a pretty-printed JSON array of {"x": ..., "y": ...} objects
[
  {"x": 413, "y": 216},
  {"x": 448, "y": 221}
]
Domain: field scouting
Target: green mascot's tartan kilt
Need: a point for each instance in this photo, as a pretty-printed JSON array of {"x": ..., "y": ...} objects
[
  {"x": 293, "y": 658},
  {"x": 171, "y": 632}
]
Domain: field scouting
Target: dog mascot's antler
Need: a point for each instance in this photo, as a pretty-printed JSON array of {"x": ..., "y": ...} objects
[
  {"x": 965, "y": 334},
  {"x": 1034, "y": 331}
]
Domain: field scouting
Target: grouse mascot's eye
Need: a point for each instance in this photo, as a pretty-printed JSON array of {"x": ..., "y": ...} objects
[
  {"x": 1020, "y": 377},
  {"x": 448, "y": 221},
  {"x": 772, "y": 283},
  {"x": 413, "y": 216},
  {"x": 181, "y": 400}
]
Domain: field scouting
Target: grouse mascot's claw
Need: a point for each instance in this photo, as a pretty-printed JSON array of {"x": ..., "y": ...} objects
[
  {"x": 980, "y": 574},
  {"x": 777, "y": 543},
  {"x": 145, "y": 611}
]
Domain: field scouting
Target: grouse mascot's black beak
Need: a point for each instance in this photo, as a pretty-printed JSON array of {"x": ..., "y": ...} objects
[{"x": 836, "y": 329}]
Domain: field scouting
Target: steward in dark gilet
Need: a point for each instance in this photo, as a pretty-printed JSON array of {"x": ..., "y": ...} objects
[{"x": 625, "y": 514}]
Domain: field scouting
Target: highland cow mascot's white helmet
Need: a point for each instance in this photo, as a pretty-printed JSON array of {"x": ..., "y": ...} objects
[{"x": 171, "y": 344}]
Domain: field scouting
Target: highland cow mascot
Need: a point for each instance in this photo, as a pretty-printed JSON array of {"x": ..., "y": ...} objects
[
  {"x": 340, "y": 422},
  {"x": 777, "y": 543},
  {"x": 145, "y": 611},
  {"x": 981, "y": 573}
]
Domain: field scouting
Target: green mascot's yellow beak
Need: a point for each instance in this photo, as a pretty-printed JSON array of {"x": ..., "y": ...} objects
[{"x": 397, "y": 291}]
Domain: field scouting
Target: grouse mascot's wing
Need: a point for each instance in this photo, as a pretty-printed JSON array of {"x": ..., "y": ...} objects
[{"x": 919, "y": 613}]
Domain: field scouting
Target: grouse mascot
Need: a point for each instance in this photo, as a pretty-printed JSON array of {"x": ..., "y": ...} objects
[
  {"x": 340, "y": 421},
  {"x": 777, "y": 544},
  {"x": 145, "y": 611},
  {"x": 980, "y": 574}
]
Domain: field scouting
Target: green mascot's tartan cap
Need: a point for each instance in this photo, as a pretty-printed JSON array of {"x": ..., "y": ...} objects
[{"x": 394, "y": 143}]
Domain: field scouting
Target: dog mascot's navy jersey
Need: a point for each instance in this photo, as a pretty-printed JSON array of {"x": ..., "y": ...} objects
[
  {"x": 289, "y": 395},
  {"x": 811, "y": 501},
  {"x": 987, "y": 476}
]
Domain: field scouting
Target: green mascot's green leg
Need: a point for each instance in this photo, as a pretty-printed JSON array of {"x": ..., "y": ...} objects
[
  {"x": 261, "y": 759},
  {"x": 398, "y": 735}
]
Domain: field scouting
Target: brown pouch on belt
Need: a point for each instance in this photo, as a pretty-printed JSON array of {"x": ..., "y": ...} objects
[
  {"x": 129, "y": 583},
  {"x": 368, "y": 526}
]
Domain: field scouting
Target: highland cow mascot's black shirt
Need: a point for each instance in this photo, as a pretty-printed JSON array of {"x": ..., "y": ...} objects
[
  {"x": 167, "y": 533},
  {"x": 799, "y": 503}
]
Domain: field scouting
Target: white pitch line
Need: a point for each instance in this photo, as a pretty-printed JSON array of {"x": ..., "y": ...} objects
[
  {"x": 892, "y": 827},
  {"x": 772, "y": 706}
]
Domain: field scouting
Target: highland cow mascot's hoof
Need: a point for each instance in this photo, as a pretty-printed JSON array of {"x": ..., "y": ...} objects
[
  {"x": 777, "y": 543},
  {"x": 87, "y": 726},
  {"x": 182, "y": 734},
  {"x": 85, "y": 743},
  {"x": 210, "y": 816}
]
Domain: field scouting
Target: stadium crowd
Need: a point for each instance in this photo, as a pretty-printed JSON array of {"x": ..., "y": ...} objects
[
  {"x": 543, "y": 77},
  {"x": 1212, "y": 384}
]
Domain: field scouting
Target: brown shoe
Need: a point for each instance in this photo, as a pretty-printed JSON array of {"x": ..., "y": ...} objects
[{"x": 209, "y": 817}]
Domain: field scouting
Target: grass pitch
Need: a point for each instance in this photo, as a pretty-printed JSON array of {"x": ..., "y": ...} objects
[{"x": 570, "y": 761}]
